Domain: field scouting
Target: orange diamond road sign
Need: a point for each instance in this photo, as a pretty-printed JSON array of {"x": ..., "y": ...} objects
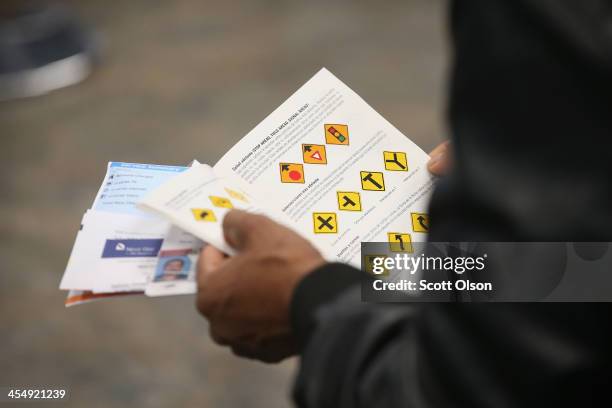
[
  {"x": 314, "y": 154},
  {"x": 336, "y": 134},
  {"x": 291, "y": 172}
]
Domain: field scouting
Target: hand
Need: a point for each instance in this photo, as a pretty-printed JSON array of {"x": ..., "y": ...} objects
[
  {"x": 441, "y": 161},
  {"x": 246, "y": 298}
]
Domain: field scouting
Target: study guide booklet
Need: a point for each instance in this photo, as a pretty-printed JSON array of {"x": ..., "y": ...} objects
[{"x": 325, "y": 164}]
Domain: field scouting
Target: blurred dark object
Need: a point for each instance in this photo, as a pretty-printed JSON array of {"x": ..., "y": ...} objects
[{"x": 42, "y": 48}]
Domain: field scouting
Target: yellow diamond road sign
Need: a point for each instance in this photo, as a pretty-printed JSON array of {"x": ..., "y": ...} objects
[
  {"x": 349, "y": 201},
  {"x": 325, "y": 223},
  {"x": 400, "y": 242},
  {"x": 395, "y": 161},
  {"x": 203, "y": 214},
  {"x": 221, "y": 202},
  {"x": 420, "y": 222},
  {"x": 372, "y": 180},
  {"x": 370, "y": 260},
  {"x": 236, "y": 195}
]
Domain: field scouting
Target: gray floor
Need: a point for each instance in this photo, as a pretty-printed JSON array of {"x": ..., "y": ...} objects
[{"x": 180, "y": 80}]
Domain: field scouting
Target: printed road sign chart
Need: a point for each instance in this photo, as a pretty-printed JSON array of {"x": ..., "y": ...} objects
[{"x": 330, "y": 167}]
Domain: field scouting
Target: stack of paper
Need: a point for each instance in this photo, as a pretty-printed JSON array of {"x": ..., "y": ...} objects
[
  {"x": 119, "y": 248},
  {"x": 324, "y": 164}
]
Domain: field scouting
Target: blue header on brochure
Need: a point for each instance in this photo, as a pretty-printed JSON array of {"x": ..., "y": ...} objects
[
  {"x": 142, "y": 166},
  {"x": 131, "y": 248},
  {"x": 127, "y": 183}
]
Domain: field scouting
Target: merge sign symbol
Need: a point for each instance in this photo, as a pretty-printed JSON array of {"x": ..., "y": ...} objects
[
  {"x": 314, "y": 154},
  {"x": 325, "y": 223},
  {"x": 372, "y": 181},
  {"x": 395, "y": 161},
  {"x": 420, "y": 222},
  {"x": 349, "y": 201},
  {"x": 203, "y": 214},
  {"x": 400, "y": 242},
  {"x": 221, "y": 202},
  {"x": 291, "y": 173}
]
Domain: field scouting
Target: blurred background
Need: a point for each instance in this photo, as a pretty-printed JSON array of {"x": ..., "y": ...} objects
[{"x": 174, "y": 81}]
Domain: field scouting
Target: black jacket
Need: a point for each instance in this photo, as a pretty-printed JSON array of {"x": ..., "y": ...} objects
[{"x": 531, "y": 120}]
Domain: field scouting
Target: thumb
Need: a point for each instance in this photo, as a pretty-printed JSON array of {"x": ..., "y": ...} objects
[
  {"x": 210, "y": 259},
  {"x": 241, "y": 228},
  {"x": 440, "y": 161}
]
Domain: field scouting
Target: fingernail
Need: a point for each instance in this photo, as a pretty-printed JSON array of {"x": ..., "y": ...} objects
[{"x": 435, "y": 159}]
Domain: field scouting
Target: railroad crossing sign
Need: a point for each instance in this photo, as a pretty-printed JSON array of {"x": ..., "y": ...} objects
[
  {"x": 314, "y": 154},
  {"x": 349, "y": 201},
  {"x": 395, "y": 161},
  {"x": 325, "y": 223},
  {"x": 291, "y": 173},
  {"x": 203, "y": 214},
  {"x": 400, "y": 242},
  {"x": 420, "y": 222},
  {"x": 336, "y": 134},
  {"x": 221, "y": 202},
  {"x": 372, "y": 180}
]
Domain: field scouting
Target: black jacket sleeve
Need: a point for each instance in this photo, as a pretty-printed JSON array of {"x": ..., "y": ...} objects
[
  {"x": 530, "y": 97},
  {"x": 347, "y": 345},
  {"x": 357, "y": 354}
]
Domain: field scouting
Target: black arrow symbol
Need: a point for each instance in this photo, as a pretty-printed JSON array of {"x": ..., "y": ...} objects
[
  {"x": 307, "y": 148},
  {"x": 284, "y": 167},
  {"x": 371, "y": 180},
  {"x": 401, "y": 241},
  {"x": 422, "y": 222}
]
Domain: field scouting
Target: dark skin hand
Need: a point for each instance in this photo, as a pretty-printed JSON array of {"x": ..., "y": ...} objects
[{"x": 246, "y": 297}]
